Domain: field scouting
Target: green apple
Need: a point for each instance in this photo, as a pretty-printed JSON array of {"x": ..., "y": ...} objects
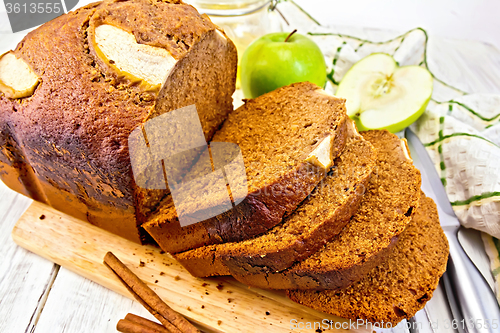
[
  {"x": 279, "y": 59},
  {"x": 380, "y": 94}
]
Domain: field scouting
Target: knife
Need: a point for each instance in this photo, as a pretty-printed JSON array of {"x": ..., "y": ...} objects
[{"x": 471, "y": 300}]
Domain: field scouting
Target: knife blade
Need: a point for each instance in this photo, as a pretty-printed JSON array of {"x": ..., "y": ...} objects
[
  {"x": 471, "y": 300},
  {"x": 473, "y": 245}
]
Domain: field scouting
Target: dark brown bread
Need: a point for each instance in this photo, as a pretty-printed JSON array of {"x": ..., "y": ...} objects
[
  {"x": 277, "y": 134},
  {"x": 66, "y": 145},
  {"x": 399, "y": 287},
  {"x": 319, "y": 218},
  {"x": 386, "y": 208}
]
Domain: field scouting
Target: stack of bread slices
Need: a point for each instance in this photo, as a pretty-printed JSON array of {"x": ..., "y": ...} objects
[{"x": 353, "y": 235}]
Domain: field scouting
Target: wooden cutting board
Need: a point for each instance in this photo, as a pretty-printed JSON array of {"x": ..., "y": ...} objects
[{"x": 216, "y": 304}]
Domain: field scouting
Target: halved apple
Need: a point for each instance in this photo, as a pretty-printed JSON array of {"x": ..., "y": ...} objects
[{"x": 381, "y": 95}]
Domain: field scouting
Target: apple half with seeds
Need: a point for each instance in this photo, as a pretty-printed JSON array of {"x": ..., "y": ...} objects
[{"x": 381, "y": 95}]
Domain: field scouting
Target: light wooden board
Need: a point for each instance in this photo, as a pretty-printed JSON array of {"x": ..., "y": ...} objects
[{"x": 217, "y": 304}]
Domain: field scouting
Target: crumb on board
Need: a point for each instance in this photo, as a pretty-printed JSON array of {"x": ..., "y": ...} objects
[
  {"x": 229, "y": 300},
  {"x": 141, "y": 263},
  {"x": 156, "y": 281},
  {"x": 229, "y": 292},
  {"x": 219, "y": 322},
  {"x": 162, "y": 273},
  {"x": 205, "y": 284},
  {"x": 206, "y": 293},
  {"x": 189, "y": 308},
  {"x": 268, "y": 313},
  {"x": 219, "y": 286},
  {"x": 203, "y": 306},
  {"x": 42, "y": 217},
  {"x": 177, "y": 278},
  {"x": 162, "y": 252}
]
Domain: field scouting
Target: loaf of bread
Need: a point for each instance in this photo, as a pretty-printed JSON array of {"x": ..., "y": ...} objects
[
  {"x": 75, "y": 88},
  {"x": 289, "y": 139},
  {"x": 386, "y": 209},
  {"x": 399, "y": 287},
  {"x": 318, "y": 218}
]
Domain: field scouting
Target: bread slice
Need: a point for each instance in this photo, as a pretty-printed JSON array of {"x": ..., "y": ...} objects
[
  {"x": 320, "y": 217},
  {"x": 386, "y": 208},
  {"x": 66, "y": 143},
  {"x": 400, "y": 286},
  {"x": 288, "y": 139}
]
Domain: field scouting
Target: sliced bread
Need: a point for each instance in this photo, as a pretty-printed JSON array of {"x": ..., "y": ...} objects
[
  {"x": 319, "y": 218},
  {"x": 386, "y": 208},
  {"x": 399, "y": 287},
  {"x": 288, "y": 139}
]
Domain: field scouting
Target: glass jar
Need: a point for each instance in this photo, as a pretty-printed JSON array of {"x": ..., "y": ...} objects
[{"x": 242, "y": 20}]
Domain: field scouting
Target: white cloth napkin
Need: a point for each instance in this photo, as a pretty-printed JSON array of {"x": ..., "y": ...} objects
[{"x": 460, "y": 131}]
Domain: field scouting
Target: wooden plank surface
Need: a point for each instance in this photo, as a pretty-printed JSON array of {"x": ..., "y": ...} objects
[
  {"x": 76, "y": 304},
  {"x": 217, "y": 304},
  {"x": 25, "y": 278}
]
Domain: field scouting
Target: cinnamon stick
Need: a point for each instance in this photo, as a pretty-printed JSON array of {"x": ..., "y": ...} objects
[
  {"x": 146, "y": 295},
  {"x": 127, "y": 326},
  {"x": 146, "y": 323},
  {"x": 168, "y": 325}
]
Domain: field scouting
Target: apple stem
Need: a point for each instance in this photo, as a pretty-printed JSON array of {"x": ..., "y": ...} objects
[{"x": 290, "y": 35}]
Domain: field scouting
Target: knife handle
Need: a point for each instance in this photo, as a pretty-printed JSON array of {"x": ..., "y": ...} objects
[{"x": 478, "y": 307}]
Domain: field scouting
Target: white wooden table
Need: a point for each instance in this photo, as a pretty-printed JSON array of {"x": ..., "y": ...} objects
[{"x": 37, "y": 295}]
